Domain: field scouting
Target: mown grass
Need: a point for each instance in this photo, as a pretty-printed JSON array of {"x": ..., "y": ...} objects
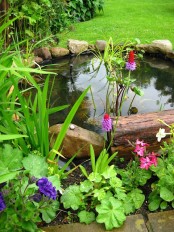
[{"x": 126, "y": 20}]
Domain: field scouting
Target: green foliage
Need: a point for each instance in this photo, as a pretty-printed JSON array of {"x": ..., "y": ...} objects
[
  {"x": 36, "y": 165},
  {"x": 10, "y": 162},
  {"x": 23, "y": 211},
  {"x": 102, "y": 194},
  {"x": 119, "y": 81},
  {"x": 133, "y": 176},
  {"x": 86, "y": 217},
  {"x": 111, "y": 213},
  {"x": 162, "y": 194},
  {"x": 72, "y": 197},
  {"x": 82, "y": 10}
]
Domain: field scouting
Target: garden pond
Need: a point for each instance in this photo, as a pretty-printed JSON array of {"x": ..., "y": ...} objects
[{"x": 154, "y": 76}]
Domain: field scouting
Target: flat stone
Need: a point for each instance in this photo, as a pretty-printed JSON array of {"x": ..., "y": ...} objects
[
  {"x": 162, "y": 221},
  {"x": 59, "y": 52},
  {"x": 134, "y": 223},
  {"x": 43, "y": 52},
  {"x": 101, "y": 45},
  {"x": 77, "y": 141},
  {"x": 77, "y": 46},
  {"x": 157, "y": 46}
]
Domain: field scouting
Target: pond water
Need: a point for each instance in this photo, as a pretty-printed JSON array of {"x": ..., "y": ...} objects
[{"x": 154, "y": 76}]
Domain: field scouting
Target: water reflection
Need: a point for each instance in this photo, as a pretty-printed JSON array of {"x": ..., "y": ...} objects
[{"x": 74, "y": 75}]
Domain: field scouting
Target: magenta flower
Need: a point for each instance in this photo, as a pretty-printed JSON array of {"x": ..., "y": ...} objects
[
  {"x": 131, "y": 65},
  {"x": 145, "y": 162},
  {"x": 139, "y": 150},
  {"x": 141, "y": 143},
  {"x": 153, "y": 158},
  {"x": 140, "y": 147},
  {"x": 106, "y": 123}
]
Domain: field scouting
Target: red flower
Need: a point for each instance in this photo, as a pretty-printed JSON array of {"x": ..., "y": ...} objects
[
  {"x": 106, "y": 116},
  {"x": 131, "y": 57}
]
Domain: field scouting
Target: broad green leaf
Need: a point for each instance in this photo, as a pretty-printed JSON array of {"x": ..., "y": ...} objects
[
  {"x": 8, "y": 176},
  {"x": 10, "y": 159},
  {"x": 163, "y": 205},
  {"x": 115, "y": 182},
  {"x": 95, "y": 177},
  {"x": 154, "y": 205},
  {"x": 29, "y": 226},
  {"x": 111, "y": 213},
  {"x": 86, "y": 186},
  {"x": 109, "y": 172},
  {"x": 120, "y": 193},
  {"x": 99, "y": 194},
  {"x": 128, "y": 206},
  {"x": 137, "y": 197},
  {"x": 55, "y": 180},
  {"x": 138, "y": 91},
  {"x": 72, "y": 197},
  {"x": 166, "y": 194},
  {"x": 36, "y": 165},
  {"x": 86, "y": 217},
  {"x": 49, "y": 213}
]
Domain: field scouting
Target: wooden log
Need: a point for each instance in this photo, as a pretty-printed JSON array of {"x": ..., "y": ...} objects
[{"x": 142, "y": 127}]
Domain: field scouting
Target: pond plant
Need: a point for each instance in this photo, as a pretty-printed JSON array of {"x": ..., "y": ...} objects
[{"x": 31, "y": 186}]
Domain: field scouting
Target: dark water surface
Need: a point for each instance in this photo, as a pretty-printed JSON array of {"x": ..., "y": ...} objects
[{"x": 154, "y": 76}]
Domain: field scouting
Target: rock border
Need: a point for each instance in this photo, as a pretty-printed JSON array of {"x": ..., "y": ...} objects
[{"x": 161, "y": 48}]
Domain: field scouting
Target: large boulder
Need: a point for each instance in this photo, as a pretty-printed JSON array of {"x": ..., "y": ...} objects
[
  {"x": 58, "y": 52},
  {"x": 77, "y": 140},
  {"x": 170, "y": 55},
  {"x": 76, "y": 46},
  {"x": 157, "y": 46},
  {"x": 100, "y": 45},
  {"x": 43, "y": 52}
]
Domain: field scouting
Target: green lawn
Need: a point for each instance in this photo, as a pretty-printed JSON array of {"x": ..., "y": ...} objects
[{"x": 123, "y": 20}]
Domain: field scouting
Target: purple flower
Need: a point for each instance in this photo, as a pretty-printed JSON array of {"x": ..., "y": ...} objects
[
  {"x": 36, "y": 197},
  {"x": 106, "y": 123},
  {"x": 2, "y": 203},
  {"x": 130, "y": 66},
  {"x": 46, "y": 187}
]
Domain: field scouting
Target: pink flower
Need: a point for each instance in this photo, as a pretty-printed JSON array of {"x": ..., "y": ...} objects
[
  {"x": 106, "y": 123},
  {"x": 139, "y": 150},
  {"x": 141, "y": 143},
  {"x": 145, "y": 162},
  {"x": 153, "y": 158},
  {"x": 140, "y": 147}
]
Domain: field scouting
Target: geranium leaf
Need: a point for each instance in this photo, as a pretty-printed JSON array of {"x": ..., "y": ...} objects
[
  {"x": 85, "y": 186},
  {"x": 111, "y": 213},
  {"x": 86, "y": 217},
  {"x": 36, "y": 165},
  {"x": 10, "y": 159},
  {"x": 72, "y": 197},
  {"x": 109, "y": 172}
]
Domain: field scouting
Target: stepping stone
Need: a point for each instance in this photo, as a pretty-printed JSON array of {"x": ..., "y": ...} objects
[
  {"x": 162, "y": 221},
  {"x": 133, "y": 223}
]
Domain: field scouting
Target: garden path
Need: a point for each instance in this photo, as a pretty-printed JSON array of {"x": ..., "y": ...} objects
[{"x": 155, "y": 222}]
